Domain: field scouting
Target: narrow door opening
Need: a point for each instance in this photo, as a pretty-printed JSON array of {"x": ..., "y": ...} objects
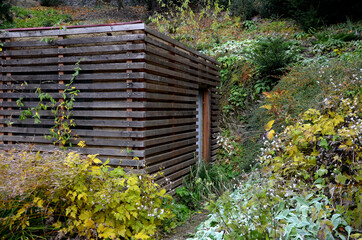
[{"x": 203, "y": 125}]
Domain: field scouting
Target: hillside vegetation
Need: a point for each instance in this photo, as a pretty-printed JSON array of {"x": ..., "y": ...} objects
[{"x": 290, "y": 162}]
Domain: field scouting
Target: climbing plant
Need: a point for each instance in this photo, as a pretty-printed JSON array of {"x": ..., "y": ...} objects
[{"x": 62, "y": 111}]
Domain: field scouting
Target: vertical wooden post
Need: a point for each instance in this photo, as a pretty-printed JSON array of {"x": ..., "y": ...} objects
[
  {"x": 173, "y": 94},
  {"x": 60, "y": 79},
  {"x": 1, "y": 100},
  {"x": 206, "y": 125},
  {"x": 129, "y": 89},
  {"x": 8, "y": 83}
]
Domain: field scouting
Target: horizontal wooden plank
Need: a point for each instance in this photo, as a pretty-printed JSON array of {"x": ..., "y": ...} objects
[
  {"x": 108, "y": 123},
  {"x": 155, "y": 50},
  {"x": 165, "y": 164},
  {"x": 170, "y": 40},
  {"x": 75, "y": 41},
  {"x": 197, "y": 73},
  {"x": 167, "y": 139},
  {"x": 169, "y": 89},
  {"x": 108, "y": 114},
  {"x": 84, "y": 67},
  {"x": 83, "y": 123},
  {"x": 170, "y": 130},
  {"x": 165, "y": 80},
  {"x": 75, "y": 50},
  {"x": 177, "y": 167},
  {"x": 73, "y": 59},
  {"x": 165, "y": 122},
  {"x": 164, "y": 156},
  {"x": 169, "y": 48},
  {"x": 79, "y": 132},
  {"x": 168, "y": 97},
  {"x": 104, "y": 133},
  {"x": 112, "y": 105},
  {"x": 80, "y": 95},
  {"x": 186, "y": 77},
  {"x": 98, "y": 105},
  {"x": 88, "y": 141},
  {"x": 84, "y": 86},
  {"x": 66, "y": 77},
  {"x": 170, "y": 146},
  {"x": 72, "y": 31},
  {"x": 102, "y": 151}
]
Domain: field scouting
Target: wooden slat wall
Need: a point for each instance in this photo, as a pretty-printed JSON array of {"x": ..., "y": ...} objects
[
  {"x": 109, "y": 111},
  {"x": 189, "y": 71},
  {"x": 137, "y": 97}
]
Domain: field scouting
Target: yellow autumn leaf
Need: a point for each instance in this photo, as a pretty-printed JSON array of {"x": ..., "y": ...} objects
[
  {"x": 141, "y": 235},
  {"x": 82, "y": 144},
  {"x": 162, "y": 192},
  {"x": 58, "y": 224},
  {"x": 89, "y": 223},
  {"x": 269, "y": 125},
  {"x": 96, "y": 160},
  {"x": 270, "y": 135},
  {"x": 38, "y": 201},
  {"x": 108, "y": 233},
  {"x": 266, "y": 107}
]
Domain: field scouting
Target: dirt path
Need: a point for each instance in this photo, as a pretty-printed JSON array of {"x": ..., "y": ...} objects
[{"x": 187, "y": 229}]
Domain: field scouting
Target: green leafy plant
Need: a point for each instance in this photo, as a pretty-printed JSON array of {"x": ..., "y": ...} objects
[{"x": 25, "y": 18}]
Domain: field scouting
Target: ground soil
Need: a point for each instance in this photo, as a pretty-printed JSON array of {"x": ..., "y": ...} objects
[{"x": 187, "y": 229}]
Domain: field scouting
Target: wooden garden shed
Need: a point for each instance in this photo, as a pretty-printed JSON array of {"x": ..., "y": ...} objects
[{"x": 141, "y": 94}]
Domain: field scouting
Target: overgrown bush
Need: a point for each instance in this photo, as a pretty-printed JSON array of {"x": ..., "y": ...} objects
[
  {"x": 25, "y": 18},
  {"x": 262, "y": 209},
  {"x": 64, "y": 194},
  {"x": 322, "y": 151}
]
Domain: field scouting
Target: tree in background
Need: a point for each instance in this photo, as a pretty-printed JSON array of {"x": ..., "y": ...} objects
[
  {"x": 5, "y": 13},
  {"x": 309, "y": 14}
]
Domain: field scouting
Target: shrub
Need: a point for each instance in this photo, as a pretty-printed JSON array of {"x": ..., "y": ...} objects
[
  {"x": 25, "y": 18},
  {"x": 60, "y": 193},
  {"x": 322, "y": 152},
  {"x": 272, "y": 56}
]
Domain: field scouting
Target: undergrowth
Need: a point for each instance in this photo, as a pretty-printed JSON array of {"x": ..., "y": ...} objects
[{"x": 63, "y": 194}]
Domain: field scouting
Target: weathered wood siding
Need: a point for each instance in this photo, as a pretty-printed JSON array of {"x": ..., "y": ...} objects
[{"x": 137, "y": 97}]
